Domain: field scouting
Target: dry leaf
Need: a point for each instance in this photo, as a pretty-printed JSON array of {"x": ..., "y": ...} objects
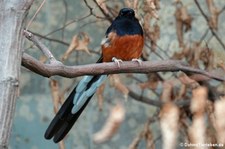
[
  {"x": 214, "y": 14},
  {"x": 117, "y": 83},
  {"x": 188, "y": 81},
  {"x": 197, "y": 48},
  {"x": 195, "y": 53},
  {"x": 55, "y": 94},
  {"x": 152, "y": 8},
  {"x": 102, "y": 4},
  {"x": 61, "y": 145},
  {"x": 211, "y": 132},
  {"x": 183, "y": 22},
  {"x": 43, "y": 59},
  {"x": 132, "y": 4},
  {"x": 197, "y": 131},
  {"x": 136, "y": 141},
  {"x": 146, "y": 24},
  {"x": 186, "y": 52},
  {"x": 128, "y": 3},
  {"x": 148, "y": 84},
  {"x": 152, "y": 83},
  {"x": 182, "y": 92},
  {"x": 149, "y": 137},
  {"x": 222, "y": 65},
  {"x": 219, "y": 120},
  {"x": 157, "y": 4},
  {"x": 169, "y": 118},
  {"x": 146, "y": 134},
  {"x": 154, "y": 36},
  {"x": 151, "y": 32},
  {"x": 207, "y": 57},
  {"x": 111, "y": 126},
  {"x": 79, "y": 42},
  {"x": 135, "y": 5},
  {"x": 167, "y": 93},
  {"x": 198, "y": 102},
  {"x": 99, "y": 93}
]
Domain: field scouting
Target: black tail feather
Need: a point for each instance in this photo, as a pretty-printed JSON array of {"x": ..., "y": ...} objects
[
  {"x": 69, "y": 122},
  {"x": 61, "y": 117},
  {"x": 64, "y": 119}
]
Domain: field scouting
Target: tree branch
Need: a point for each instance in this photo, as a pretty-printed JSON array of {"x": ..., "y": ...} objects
[
  {"x": 42, "y": 47},
  {"x": 13, "y": 14},
  {"x": 48, "y": 70},
  {"x": 157, "y": 103},
  {"x": 57, "y": 68}
]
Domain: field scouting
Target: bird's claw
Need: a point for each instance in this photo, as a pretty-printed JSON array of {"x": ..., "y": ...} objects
[
  {"x": 137, "y": 60},
  {"x": 117, "y": 61}
]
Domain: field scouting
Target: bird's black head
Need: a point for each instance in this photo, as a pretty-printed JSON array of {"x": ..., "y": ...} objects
[
  {"x": 127, "y": 12},
  {"x": 125, "y": 23}
]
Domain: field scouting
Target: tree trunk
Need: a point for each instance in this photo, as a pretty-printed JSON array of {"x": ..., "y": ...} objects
[{"x": 12, "y": 16}]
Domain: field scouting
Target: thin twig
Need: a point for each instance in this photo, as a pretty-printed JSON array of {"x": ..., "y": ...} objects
[
  {"x": 38, "y": 10},
  {"x": 76, "y": 20},
  {"x": 41, "y": 46},
  {"x": 222, "y": 10},
  {"x": 57, "y": 41},
  {"x": 204, "y": 35},
  {"x": 69, "y": 23},
  {"x": 157, "y": 103},
  {"x": 51, "y": 39},
  {"x": 211, "y": 29},
  {"x": 104, "y": 13}
]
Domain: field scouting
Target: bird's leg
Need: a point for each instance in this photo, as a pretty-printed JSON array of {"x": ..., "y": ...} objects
[
  {"x": 137, "y": 60},
  {"x": 117, "y": 61}
]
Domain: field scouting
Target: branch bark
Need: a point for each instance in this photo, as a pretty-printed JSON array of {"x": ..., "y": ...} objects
[
  {"x": 12, "y": 18},
  {"x": 156, "y": 103},
  {"x": 48, "y": 70},
  {"x": 57, "y": 68}
]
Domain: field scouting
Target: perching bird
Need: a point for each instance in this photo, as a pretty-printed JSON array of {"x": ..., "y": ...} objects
[{"x": 124, "y": 41}]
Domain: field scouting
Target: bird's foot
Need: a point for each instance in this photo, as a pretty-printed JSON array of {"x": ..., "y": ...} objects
[
  {"x": 137, "y": 60},
  {"x": 117, "y": 61}
]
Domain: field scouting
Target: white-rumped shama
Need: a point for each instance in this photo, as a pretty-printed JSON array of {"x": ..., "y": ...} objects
[{"x": 124, "y": 40}]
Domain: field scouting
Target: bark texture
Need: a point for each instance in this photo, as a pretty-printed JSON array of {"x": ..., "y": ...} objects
[{"x": 12, "y": 16}]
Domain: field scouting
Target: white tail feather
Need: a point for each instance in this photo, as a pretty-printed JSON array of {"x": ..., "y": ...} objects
[{"x": 82, "y": 94}]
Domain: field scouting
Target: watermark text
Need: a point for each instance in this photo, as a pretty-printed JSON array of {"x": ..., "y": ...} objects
[{"x": 201, "y": 144}]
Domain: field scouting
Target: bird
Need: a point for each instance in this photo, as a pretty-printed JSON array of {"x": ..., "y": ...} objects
[{"x": 123, "y": 41}]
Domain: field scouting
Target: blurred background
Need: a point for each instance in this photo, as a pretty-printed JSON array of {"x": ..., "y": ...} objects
[{"x": 73, "y": 31}]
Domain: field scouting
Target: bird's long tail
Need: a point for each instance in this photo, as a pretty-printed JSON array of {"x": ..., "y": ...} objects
[{"x": 73, "y": 107}]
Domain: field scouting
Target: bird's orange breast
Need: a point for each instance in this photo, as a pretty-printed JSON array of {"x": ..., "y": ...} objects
[{"x": 125, "y": 47}]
